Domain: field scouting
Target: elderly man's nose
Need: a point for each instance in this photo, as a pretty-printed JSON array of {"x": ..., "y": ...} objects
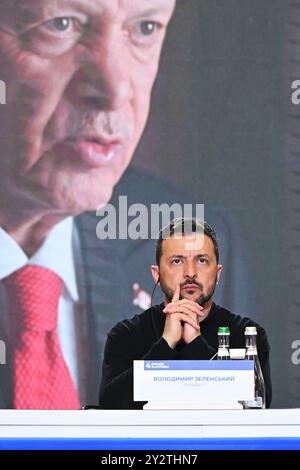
[{"x": 104, "y": 81}]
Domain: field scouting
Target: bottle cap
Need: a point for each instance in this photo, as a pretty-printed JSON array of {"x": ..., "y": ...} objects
[
  {"x": 223, "y": 330},
  {"x": 250, "y": 330}
]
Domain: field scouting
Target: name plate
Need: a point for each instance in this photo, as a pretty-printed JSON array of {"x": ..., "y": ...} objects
[{"x": 193, "y": 380}]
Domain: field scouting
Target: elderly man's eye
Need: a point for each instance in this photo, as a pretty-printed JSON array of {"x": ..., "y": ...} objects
[
  {"x": 145, "y": 32},
  {"x": 58, "y": 24},
  {"x": 53, "y": 37},
  {"x": 62, "y": 25},
  {"x": 148, "y": 27}
]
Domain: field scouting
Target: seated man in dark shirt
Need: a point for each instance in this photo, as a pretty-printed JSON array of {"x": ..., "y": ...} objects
[{"x": 185, "y": 325}]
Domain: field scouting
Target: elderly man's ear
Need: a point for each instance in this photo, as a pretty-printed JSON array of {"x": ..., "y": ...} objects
[{"x": 155, "y": 274}]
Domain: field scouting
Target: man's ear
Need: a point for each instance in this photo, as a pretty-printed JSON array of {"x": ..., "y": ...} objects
[
  {"x": 219, "y": 270},
  {"x": 155, "y": 273}
]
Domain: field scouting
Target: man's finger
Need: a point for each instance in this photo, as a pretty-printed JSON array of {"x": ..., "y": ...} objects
[
  {"x": 172, "y": 309},
  {"x": 192, "y": 303},
  {"x": 176, "y": 293},
  {"x": 187, "y": 319}
]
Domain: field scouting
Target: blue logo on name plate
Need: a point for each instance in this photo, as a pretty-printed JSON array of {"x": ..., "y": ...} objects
[{"x": 198, "y": 365}]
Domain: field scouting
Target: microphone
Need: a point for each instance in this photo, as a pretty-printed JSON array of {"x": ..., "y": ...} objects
[{"x": 153, "y": 290}]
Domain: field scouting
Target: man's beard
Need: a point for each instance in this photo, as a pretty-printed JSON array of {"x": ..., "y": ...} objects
[{"x": 202, "y": 299}]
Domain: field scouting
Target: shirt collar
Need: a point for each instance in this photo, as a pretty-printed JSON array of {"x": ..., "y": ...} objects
[{"x": 56, "y": 253}]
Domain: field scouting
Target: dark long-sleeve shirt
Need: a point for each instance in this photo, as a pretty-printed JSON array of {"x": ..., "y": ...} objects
[{"x": 141, "y": 338}]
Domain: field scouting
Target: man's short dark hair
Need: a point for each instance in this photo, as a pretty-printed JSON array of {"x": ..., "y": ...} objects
[{"x": 186, "y": 226}]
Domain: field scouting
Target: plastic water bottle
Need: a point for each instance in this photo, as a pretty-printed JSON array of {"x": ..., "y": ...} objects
[
  {"x": 223, "y": 343},
  {"x": 259, "y": 383}
]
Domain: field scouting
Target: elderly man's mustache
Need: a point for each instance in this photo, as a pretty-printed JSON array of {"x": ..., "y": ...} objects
[{"x": 92, "y": 123}]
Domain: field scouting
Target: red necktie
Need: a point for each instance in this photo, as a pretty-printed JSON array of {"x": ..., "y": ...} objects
[{"x": 41, "y": 377}]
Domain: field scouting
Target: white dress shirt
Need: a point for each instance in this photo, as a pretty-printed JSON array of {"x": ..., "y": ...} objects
[{"x": 57, "y": 254}]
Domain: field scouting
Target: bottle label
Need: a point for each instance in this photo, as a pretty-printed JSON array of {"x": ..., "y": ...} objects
[
  {"x": 223, "y": 353},
  {"x": 257, "y": 403}
]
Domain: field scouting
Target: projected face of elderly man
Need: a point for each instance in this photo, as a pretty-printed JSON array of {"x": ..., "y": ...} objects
[{"x": 79, "y": 75}]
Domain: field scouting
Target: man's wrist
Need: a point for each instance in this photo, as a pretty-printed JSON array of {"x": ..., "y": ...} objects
[
  {"x": 171, "y": 343},
  {"x": 190, "y": 340}
]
